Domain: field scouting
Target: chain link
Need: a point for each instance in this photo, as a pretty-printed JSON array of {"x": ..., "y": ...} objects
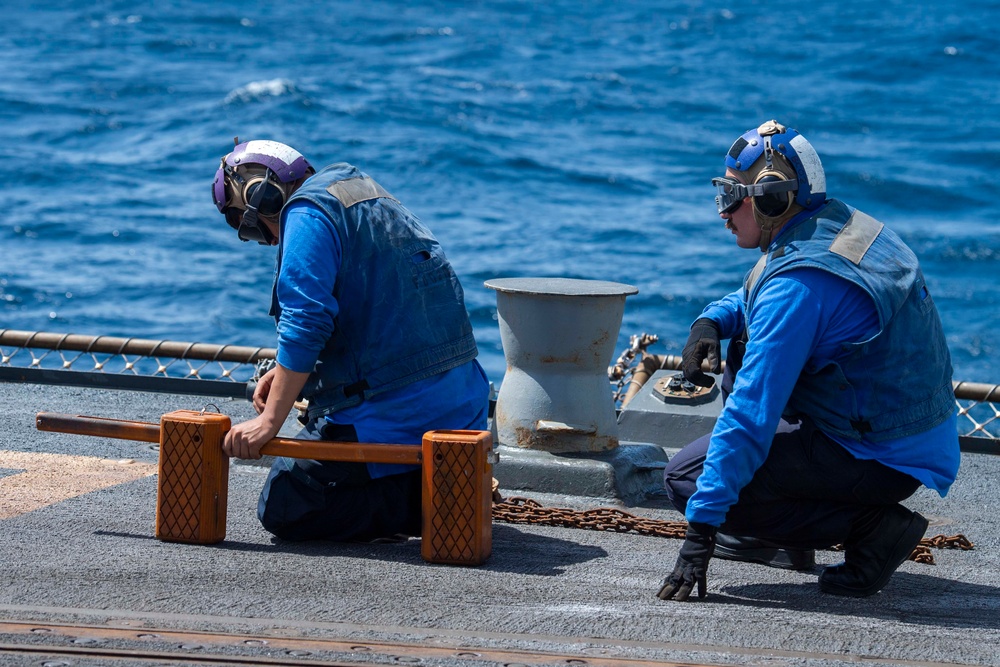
[{"x": 525, "y": 510}]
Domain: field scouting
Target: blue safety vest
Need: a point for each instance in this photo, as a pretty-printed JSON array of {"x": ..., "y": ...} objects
[
  {"x": 402, "y": 309},
  {"x": 905, "y": 368}
]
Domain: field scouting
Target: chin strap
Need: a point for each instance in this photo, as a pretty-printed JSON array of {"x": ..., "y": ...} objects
[
  {"x": 765, "y": 237},
  {"x": 768, "y": 226}
]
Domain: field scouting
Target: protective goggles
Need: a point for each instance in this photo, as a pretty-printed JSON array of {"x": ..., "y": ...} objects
[{"x": 730, "y": 193}]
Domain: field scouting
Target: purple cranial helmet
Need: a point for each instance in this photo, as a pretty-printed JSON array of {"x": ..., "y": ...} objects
[{"x": 257, "y": 176}]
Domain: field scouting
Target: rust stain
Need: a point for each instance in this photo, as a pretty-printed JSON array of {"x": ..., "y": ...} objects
[
  {"x": 528, "y": 438},
  {"x": 41, "y": 480},
  {"x": 550, "y": 359},
  {"x": 524, "y": 437}
]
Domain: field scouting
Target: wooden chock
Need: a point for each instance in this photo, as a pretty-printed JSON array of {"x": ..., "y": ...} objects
[
  {"x": 193, "y": 486},
  {"x": 457, "y": 497}
]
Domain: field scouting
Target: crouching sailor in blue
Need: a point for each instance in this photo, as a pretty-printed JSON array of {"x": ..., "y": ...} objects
[
  {"x": 839, "y": 403},
  {"x": 372, "y": 331}
]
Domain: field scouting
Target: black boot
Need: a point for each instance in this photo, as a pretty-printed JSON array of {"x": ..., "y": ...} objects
[
  {"x": 753, "y": 550},
  {"x": 881, "y": 540}
]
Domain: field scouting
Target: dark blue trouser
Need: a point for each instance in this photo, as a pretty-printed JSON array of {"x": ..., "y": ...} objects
[
  {"x": 332, "y": 500},
  {"x": 807, "y": 494}
]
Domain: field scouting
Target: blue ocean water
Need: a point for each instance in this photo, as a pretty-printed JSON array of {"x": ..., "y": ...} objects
[{"x": 569, "y": 138}]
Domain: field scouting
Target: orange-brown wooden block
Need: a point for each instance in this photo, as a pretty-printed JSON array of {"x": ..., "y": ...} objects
[
  {"x": 457, "y": 497},
  {"x": 193, "y": 485},
  {"x": 193, "y": 477}
]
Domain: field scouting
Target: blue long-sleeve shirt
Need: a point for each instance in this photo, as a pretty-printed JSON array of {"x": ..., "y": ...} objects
[
  {"x": 799, "y": 321},
  {"x": 311, "y": 258}
]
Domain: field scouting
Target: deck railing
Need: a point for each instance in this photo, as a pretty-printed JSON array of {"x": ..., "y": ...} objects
[
  {"x": 128, "y": 363},
  {"x": 205, "y": 369},
  {"x": 978, "y": 403}
]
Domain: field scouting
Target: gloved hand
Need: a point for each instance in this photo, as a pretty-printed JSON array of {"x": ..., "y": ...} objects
[
  {"x": 692, "y": 564},
  {"x": 702, "y": 344}
]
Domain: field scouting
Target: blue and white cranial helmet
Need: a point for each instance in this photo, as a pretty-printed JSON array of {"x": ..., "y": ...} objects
[{"x": 749, "y": 148}]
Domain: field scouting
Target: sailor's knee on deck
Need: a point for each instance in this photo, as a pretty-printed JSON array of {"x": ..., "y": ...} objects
[
  {"x": 286, "y": 500},
  {"x": 680, "y": 477}
]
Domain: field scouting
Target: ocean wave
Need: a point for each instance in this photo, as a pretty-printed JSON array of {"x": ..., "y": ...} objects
[{"x": 258, "y": 90}]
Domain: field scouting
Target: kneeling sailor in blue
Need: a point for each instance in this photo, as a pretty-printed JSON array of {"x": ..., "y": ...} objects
[
  {"x": 372, "y": 331},
  {"x": 839, "y": 401}
]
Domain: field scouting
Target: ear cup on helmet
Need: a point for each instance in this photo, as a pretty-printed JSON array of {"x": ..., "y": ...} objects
[
  {"x": 268, "y": 197},
  {"x": 773, "y": 204}
]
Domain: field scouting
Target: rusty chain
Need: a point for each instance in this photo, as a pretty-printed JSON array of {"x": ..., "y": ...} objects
[{"x": 526, "y": 510}]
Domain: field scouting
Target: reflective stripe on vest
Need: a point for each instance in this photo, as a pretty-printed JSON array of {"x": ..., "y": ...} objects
[{"x": 355, "y": 190}]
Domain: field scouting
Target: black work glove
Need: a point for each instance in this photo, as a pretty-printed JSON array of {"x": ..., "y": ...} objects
[
  {"x": 702, "y": 344},
  {"x": 692, "y": 564}
]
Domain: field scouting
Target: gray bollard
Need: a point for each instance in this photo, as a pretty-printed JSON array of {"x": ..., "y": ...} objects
[
  {"x": 558, "y": 336},
  {"x": 554, "y": 421}
]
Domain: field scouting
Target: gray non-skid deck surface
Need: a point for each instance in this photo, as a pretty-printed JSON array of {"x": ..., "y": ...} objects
[{"x": 92, "y": 557}]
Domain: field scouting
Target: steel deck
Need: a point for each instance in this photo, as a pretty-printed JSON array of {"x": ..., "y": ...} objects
[{"x": 83, "y": 582}]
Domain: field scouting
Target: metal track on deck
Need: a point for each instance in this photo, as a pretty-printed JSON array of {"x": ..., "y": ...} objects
[
  {"x": 63, "y": 645},
  {"x": 49, "y": 641}
]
